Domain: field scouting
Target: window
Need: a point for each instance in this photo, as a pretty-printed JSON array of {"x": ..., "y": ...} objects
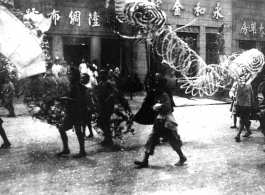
[
  {"x": 246, "y": 45},
  {"x": 211, "y": 49}
]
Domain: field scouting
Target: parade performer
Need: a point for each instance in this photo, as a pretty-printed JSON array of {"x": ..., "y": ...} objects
[
  {"x": 166, "y": 89},
  {"x": 112, "y": 113},
  {"x": 9, "y": 94},
  {"x": 233, "y": 107},
  {"x": 85, "y": 78},
  {"x": 75, "y": 113},
  {"x": 106, "y": 93},
  {"x": 146, "y": 115},
  {"x": 165, "y": 125},
  {"x": 244, "y": 96},
  {"x": 6, "y": 143}
]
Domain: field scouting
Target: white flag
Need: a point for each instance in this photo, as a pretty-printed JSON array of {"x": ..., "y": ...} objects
[{"x": 20, "y": 45}]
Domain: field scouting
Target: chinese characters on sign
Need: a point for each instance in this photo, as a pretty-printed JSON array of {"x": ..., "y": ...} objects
[
  {"x": 177, "y": 8},
  {"x": 93, "y": 19},
  {"x": 33, "y": 10},
  {"x": 55, "y": 16},
  {"x": 244, "y": 28},
  {"x": 75, "y": 17},
  {"x": 261, "y": 31},
  {"x": 216, "y": 13},
  {"x": 199, "y": 10},
  {"x": 252, "y": 29}
]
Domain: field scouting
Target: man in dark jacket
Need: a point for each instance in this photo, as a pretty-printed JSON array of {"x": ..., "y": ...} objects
[
  {"x": 165, "y": 125},
  {"x": 76, "y": 112},
  {"x": 106, "y": 93}
]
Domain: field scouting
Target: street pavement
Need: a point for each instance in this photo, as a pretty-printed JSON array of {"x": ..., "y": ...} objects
[{"x": 216, "y": 164}]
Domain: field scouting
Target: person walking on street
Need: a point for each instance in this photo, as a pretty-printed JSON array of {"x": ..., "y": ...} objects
[
  {"x": 85, "y": 79},
  {"x": 107, "y": 93},
  {"x": 6, "y": 143},
  {"x": 234, "y": 107},
  {"x": 75, "y": 113},
  {"x": 244, "y": 97},
  {"x": 165, "y": 125},
  {"x": 9, "y": 94}
]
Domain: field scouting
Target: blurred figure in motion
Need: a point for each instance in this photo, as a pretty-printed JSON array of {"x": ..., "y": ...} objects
[
  {"x": 6, "y": 143},
  {"x": 9, "y": 93}
]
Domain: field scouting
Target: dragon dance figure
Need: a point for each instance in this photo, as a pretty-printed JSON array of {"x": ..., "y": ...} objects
[
  {"x": 244, "y": 68},
  {"x": 149, "y": 20}
]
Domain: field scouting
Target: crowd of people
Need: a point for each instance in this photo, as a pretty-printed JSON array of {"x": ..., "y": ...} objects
[
  {"x": 87, "y": 84},
  {"x": 107, "y": 91}
]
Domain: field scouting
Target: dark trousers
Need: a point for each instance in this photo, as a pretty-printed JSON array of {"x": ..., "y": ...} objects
[
  {"x": 244, "y": 114},
  {"x": 160, "y": 131},
  {"x": 104, "y": 123},
  {"x": 9, "y": 106},
  {"x": 87, "y": 123},
  {"x": 2, "y": 132},
  {"x": 69, "y": 123}
]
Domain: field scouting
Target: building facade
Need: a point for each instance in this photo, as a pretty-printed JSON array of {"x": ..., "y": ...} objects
[
  {"x": 248, "y": 25},
  {"x": 204, "y": 18},
  {"x": 77, "y": 30}
]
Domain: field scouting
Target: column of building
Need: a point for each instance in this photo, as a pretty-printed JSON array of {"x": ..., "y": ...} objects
[
  {"x": 139, "y": 60},
  {"x": 57, "y": 46},
  {"x": 202, "y": 43},
  {"x": 96, "y": 49}
]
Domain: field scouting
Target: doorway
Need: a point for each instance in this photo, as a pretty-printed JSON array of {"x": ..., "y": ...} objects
[
  {"x": 212, "y": 55},
  {"x": 73, "y": 54},
  {"x": 110, "y": 52},
  {"x": 246, "y": 45},
  {"x": 76, "y": 49}
]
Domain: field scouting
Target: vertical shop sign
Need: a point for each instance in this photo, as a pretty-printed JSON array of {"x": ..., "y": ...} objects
[
  {"x": 261, "y": 30},
  {"x": 244, "y": 28},
  {"x": 253, "y": 28},
  {"x": 33, "y": 10},
  {"x": 177, "y": 8},
  {"x": 93, "y": 19},
  {"x": 216, "y": 13},
  {"x": 199, "y": 10},
  {"x": 75, "y": 17},
  {"x": 55, "y": 16}
]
